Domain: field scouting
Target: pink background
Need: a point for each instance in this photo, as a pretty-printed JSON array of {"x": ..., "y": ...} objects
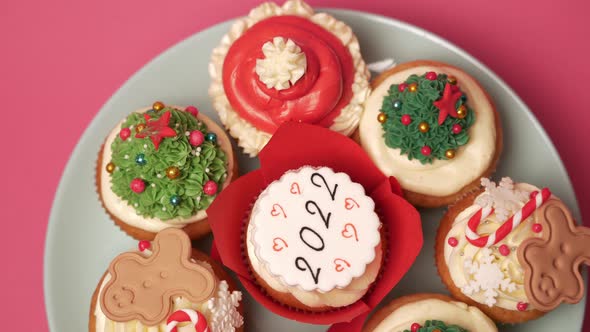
[{"x": 61, "y": 60}]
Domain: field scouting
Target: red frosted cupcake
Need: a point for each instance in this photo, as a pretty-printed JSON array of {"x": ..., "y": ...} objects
[{"x": 287, "y": 63}]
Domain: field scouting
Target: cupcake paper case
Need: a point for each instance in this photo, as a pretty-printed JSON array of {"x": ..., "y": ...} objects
[
  {"x": 161, "y": 167},
  {"x": 296, "y": 145},
  {"x": 287, "y": 63}
]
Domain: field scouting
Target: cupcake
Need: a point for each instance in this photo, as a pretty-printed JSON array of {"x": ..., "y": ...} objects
[
  {"x": 318, "y": 234},
  {"x": 434, "y": 128},
  {"x": 165, "y": 285},
  {"x": 313, "y": 240},
  {"x": 287, "y": 63},
  {"x": 162, "y": 167},
  {"x": 428, "y": 313},
  {"x": 513, "y": 250}
]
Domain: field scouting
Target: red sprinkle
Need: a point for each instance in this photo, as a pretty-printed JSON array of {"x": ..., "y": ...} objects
[
  {"x": 125, "y": 133},
  {"x": 431, "y": 76},
  {"x": 415, "y": 327},
  {"x": 406, "y": 119},
  {"x": 143, "y": 245},
  {"x": 192, "y": 110},
  {"x": 457, "y": 128},
  {"x": 522, "y": 306},
  {"x": 504, "y": 250},
  {"x": 537, "y": 228},
  {"x": 426, "y": 150},
  {"x": 453, "y": 242},
  {"x": 402, "y": 87},
  {"x": 137, "y": 185},
  {"x": 210, "y": 188},
  {"x": 196, "y": 138}
]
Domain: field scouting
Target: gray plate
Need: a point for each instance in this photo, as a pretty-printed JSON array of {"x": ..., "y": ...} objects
[{"x": 81, "y": 240}]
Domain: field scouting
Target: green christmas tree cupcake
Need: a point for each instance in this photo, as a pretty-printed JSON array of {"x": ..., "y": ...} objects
[
  {"x": 162, "y": 167},
  {"x": 429, "y": 313},
  {"x": 434, "y": 128}
]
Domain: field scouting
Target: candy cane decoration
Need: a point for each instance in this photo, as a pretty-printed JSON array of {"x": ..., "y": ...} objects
[
  {"x": 187, "y": 315},
  {"x": 507, "y": 226}
]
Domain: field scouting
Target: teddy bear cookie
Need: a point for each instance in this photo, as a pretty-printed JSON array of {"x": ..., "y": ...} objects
[
  {"x": 434, "y": 128},
  {"x": 313, "y": 239},
  {"x": 513, "y": 250},
  {"x": 162, "y": 285},
  {"x": 428, "y": 313},
  {"x": 287, "y": 63},
  {"x": 161, "y": 167}
]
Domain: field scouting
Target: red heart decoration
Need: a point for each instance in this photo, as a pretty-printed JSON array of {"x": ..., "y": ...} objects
[
  {"x": 277, "y": 246},
  {"x": 340, "y": 264},
  {"x": 350, "y": 231},
  {"x": 277, "y": 210},
  {"x": 350, "y": 203},
  {"x": 295, "y": 188}
]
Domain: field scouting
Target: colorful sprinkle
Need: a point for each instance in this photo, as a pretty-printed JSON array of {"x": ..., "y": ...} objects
[
  {"x": 196, "y": 138},
  {"x": 125, "y": 133},
  {"x": 453, "y": 242},
  {"x": 504, "y": 250},
  {"x": 431, "y": 76},
  {"x": 210, "y": 188},
  {"x": 143, "y": 245},
  {"x": 522, "y": 306},
  {"x": 537, "y": 228},
  {"x": 137, "y": 185},
  {"x": 406, "y": 119}
]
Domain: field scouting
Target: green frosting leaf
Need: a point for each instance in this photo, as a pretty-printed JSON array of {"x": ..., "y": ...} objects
[
  {"x": 419, "y": 106},
  {"x": 434, "y": 325},
  {"x": 196, "y": 165}
]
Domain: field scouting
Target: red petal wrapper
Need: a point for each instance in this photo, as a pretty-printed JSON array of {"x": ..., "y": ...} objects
[{"x": 295, "y": 145}]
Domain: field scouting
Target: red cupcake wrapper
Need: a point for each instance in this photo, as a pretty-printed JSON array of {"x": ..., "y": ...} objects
[{"x": 295, "y": 145}]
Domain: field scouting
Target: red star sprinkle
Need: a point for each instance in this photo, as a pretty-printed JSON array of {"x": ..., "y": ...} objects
[
  {"x": 446, "y": 104},
  {"x": 157, "y": 129}
]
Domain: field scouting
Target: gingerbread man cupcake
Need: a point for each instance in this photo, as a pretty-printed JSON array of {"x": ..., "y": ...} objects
[
  {"x": 433, "y": 127},
  {"x": 164, "y": 284},
  {"x": 428, "y": 313},
  {"x": 162, "y": 167},
  {"x": 287, "y": 63},
  {"x": 513, "y": 250}
]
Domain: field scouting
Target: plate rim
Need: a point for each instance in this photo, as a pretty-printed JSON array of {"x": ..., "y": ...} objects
[{"x": 59, "y": 192}]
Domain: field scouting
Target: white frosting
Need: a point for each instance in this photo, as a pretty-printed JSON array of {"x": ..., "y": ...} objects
[
  {"x": 442, "y": 177},
  {"x": 484, "y": 274},
  {"x": 125, "y": 212},
  {"x": 314, "y": 233},
  {"x": 283, "y": 65},
  {"x": 451, "y": 313},
  {"x": 220, "y": 311},
  {"x": 249, "y": 137}
]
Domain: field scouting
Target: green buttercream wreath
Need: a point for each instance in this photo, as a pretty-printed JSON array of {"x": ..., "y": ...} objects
[
  {"x": 165, "y": 198},
  {"x": 403, "y": 111},
  {"x": 434, "y": 325}
]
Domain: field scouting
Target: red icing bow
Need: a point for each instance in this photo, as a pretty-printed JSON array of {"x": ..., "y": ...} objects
[{"x": 295, "y": 145}]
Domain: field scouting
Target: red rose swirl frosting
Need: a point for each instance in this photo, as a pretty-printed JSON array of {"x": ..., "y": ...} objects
[{"x": 285, "y": 64}]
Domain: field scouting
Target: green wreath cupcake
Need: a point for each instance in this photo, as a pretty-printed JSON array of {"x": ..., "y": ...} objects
[
  {"x": 162, "y": 167},
  {"x": 434, "y": 128}
]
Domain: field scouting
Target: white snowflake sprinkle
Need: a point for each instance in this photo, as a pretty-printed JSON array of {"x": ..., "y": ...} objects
[
  {"x": 163, "y": 208},
  {"x": 207, "y": 170},
  {"x": 224, "y": 309},
  {"x": 135, "y": 204},
  {"x": 153, "y": 185},
  {"x": 126, "y": 156},
  {"x": 145, "y": 146},
  {"x": 159, "y": 176},
  {"x": 504, "y": 198},
  {"x": 487, "y": 278},
  {"x": 187, "y": 133},
  {"x": 197, "y": 154}
]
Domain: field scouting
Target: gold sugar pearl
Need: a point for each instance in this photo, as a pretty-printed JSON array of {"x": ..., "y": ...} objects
[
  {"x": 452, "y": 80},
  {"x": 423, "y": 127},
  {"x": 462, "y": 112},
  {"x": 172, "y": 172},
  {"x": 382, "y": 117},
  {"x": 110, "y": 167},
  {"x": 450, "y": 154},
  {"x": 158, "y": 106},
  {"x": 413, "y": 87},
  {"x": 139, "y": 127}
]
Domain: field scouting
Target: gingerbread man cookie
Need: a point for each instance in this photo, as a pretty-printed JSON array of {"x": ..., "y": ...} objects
[
  {"x": 552, "y": 263},
  {"x": 142, "y": 288}
]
